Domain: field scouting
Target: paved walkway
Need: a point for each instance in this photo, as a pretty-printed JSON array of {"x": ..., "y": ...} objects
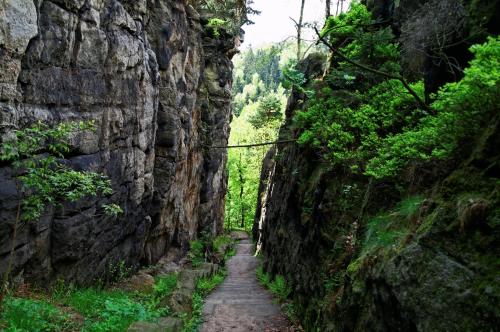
[{"x": 241, "y": 304}]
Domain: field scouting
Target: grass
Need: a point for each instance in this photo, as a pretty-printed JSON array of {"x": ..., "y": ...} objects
[
  {"x": 32, "y": 315},
  {"x": 220, "y": 241},
  {"x": 386, "y": 230},
  {"x": 278, "y": 286},
  {"x": 110, "y": 310},
  {"x": 97, "y": 309}
]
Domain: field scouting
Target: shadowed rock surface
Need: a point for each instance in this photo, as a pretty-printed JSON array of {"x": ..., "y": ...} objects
[
  {"x": 313, "y": 219},
  {"x": 240, "y": 303}
]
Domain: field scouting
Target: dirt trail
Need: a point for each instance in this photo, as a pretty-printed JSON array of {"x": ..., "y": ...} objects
[{"x": 240, "y": 303}]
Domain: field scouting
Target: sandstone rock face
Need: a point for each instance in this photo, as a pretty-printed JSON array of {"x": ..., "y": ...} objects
[{"x": 157, "y": 87}]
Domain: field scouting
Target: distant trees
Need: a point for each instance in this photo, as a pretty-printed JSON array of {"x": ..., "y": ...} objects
[
  {"x": 259, "y": 101},
  {"x": 328, "y": 5},
  {"x": 268, "y": 111}
]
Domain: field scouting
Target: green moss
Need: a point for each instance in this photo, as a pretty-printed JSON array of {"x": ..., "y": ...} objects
[{"x": 355, "y": 265}]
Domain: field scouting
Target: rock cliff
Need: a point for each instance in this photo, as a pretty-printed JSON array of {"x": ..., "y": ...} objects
[
  {"x": 157, "y": 85},
  {"x": 443, "y": 275}
]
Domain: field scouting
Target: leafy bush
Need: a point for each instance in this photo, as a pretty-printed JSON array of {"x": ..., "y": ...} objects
[
  {"x": 31, "y": 316},
  {"x": 206, "y": 285},
  {"x": 220, "y": 241},
  {"x": 35, "y": 153}
]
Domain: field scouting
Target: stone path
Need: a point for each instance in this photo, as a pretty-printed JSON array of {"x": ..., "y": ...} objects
[{"x": 241, "y": 303}]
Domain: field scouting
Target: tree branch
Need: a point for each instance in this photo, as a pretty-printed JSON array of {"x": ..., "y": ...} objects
[
  {"x": 252, "y": 145},
  {"x": 400, "y": 78}
]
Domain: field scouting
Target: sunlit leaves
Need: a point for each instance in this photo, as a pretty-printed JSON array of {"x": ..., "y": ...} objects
[{"x": 36, "y": 155}]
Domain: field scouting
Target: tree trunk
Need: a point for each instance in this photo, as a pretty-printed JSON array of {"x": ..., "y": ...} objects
[
  {"x": 299, "y": 31},
  {"x": 328, "y": 4},
  {"x": 242, "y": 181}
]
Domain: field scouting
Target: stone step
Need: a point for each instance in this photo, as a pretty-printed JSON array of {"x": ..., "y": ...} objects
[{"x": 241, "y": 303}]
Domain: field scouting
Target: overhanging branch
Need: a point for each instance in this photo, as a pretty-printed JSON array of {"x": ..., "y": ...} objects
[{"x": 400, "y": 78}]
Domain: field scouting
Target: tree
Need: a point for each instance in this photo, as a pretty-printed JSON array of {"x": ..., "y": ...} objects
[
  {"x": 268, "y": 111},
  {"x": 299, "y": 25},
  {"x": 42, "y": 178},
  {"x": 328, "y": 4}
]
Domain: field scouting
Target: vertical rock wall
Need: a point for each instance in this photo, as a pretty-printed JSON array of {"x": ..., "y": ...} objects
[
  {"x": 313, "y": 218},
  {"x": 157, "y": 85}
]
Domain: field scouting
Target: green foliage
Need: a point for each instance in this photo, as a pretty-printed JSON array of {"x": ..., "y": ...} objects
[
  {"x": 259, "y": 108},
  {"x": 268, "y": 112},
  {"x": 35, "y": 153},
  {"x": 192, "y": 324},
  {"x": 234, "y": 12},
  {"x": 32, "y": 316},
  {"x": 220, "y": 241},
  {"x": 112, "y": 209},
  {"x": 292, "y": 77},
  {"x": 370, "y": 124},
  {"x": 119, "y": 270},
  {"x": 216, "y": 24},
  {"x": 109, "y": 310},
  {"x": 459, "y": 110},
  {"x": 387, "y": 229},
  {"x": 165, "y": 285},
  {"x": 204, "y": 286},
  {"x": 335, "y": 281},
  {"x": 196, "y": 252},
  {"x": 278, "y": 286}
]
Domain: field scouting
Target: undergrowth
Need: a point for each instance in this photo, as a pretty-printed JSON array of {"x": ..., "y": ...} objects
[
  {"x": 204, "y": 286},
  {"x": 388, "y": 229},
  {"x": 110, "y": 310},
  {"x": 277, "y": 285},
  {"x": 33, "y": 315}
]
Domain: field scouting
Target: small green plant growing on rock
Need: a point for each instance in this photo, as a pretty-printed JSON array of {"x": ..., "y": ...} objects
[
  {"x": 278, "y": 286},
  {"x": 43, "y": 179},
  {"x": 216, "y": 24},
  {"x": 196, "y": 252}
]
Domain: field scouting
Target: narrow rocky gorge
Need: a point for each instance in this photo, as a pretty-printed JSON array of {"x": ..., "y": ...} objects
[
  {"x": 156, "y": 83},
  {"x": 378, "y": 204}
]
